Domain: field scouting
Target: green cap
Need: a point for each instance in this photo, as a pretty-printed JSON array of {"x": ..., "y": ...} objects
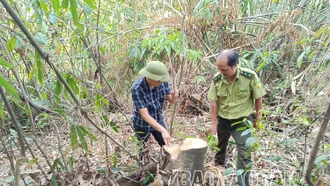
[{"x": 156, "y": 71}]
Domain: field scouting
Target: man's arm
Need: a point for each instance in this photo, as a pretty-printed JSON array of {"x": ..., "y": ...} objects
[
  {"x": 154, "y": 124},
  {"x": 258, "y": 105},
  {"x": 214, "y": 120},
  {"x": 172, "y": 96}
]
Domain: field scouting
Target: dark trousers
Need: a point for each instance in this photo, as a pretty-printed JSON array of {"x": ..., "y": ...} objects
[
  {"x": 235, "y": 128},
  {"x": 143, "y": 137}
]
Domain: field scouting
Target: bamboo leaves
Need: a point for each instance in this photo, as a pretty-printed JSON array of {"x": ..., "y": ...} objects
[
  {"x": 58, "y": 90},
  {"x": 39, "y": 66},
  {"x": 79, "y": 132},
  {"x": 5, "y": 63},
  {"x": 74, "y": 12},
  {"x": 65, "y": 3},
  {"x": 10, "y": 45},
  {"x": 90, "y": 3},
  {"x": 56, "y": 6},
  {"x": 9, "y": 88}
]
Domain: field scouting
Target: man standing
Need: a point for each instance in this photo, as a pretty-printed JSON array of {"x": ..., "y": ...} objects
[
  {"x": 234, "y": 94},
  {"x": 148, "y": 94}
]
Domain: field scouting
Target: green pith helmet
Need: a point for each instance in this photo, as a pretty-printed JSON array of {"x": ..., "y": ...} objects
[{"x": 156, "y": 71}]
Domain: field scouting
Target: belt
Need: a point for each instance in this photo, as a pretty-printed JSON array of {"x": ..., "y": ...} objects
[{"x": 238, "y": 119}]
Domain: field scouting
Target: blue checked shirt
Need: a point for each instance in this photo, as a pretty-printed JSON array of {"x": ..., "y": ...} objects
[{"x": 152, "y": 99}]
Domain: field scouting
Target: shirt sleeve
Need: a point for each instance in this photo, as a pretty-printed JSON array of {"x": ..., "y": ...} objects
[
  {"x": 212, "y": 94},
  {"x": 257, "y": 90},
  {"x": 167, "y": 88},
  {"x": 138, "y": 99}
]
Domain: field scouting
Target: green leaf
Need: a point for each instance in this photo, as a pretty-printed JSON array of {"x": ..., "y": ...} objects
[
  {"x": 321, "y": 158},
  {"x": 10, "y": 89},
  {"x": 241, "y": 128},
  {"x": 106, "y": 119},
  {"x": 43, "y": 5},
  {"x": 86, "y": 132},
  {"x": 275, "y": 158},
  {"x": 55, "y": 163},
  {"x": 56, "y": 6},
  {"x": 300, "y": 58},
  {"x": 61, "y": 165},
  {"x": 65, "y": 3},
  {"x": 71, "y": 162},
  {"x": 311, "y": 55},
  {"x": 5, "y": 63},
  {"x": 54, "y": 180},
  {"x": 82, "y": 139},
  {"x": 228, "y": 171},
  {"x": 31, "y": 74},
  {"x": 262, "y": 64},
  {"x": 41, "y": 103},
  {"x": 39, "y": 66},
  {"x": 8, "y": 180},
  {"x": 114, "y": 127},
  {"x": 90, "y": 3},
  {"x": 105, "y": 101},
  {"x": 32, "y": 162},
  {"x": 73, "y": 85},
  {"x": 73, "y": 136},
  {"x": 246, "y": 132},
  {"x": 319, "y": 33},
  {"x": 87, "y": 9},
  {"x": 250, "y": 141},
  {"x": 10, "y": 45},
  {"x": 302, "y": 41},
  {"x": 42, "y": 38},
  {"x": 44, "y": 27},
  {"x": 53, "y": 18},
  {"x": 239, "y": 172},
  {"x": 58, "y": 90},
  {"x": 74, "y": 12},
  {"x": 212, "y": 142}
]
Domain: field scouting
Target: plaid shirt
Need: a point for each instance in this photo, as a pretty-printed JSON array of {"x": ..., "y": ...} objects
[{"x": 152, "y": 99}]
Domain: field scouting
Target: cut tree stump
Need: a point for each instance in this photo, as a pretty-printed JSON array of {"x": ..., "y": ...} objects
[
  {"x": 185, "y": 162},
  {"x": 181, "y": 166}
]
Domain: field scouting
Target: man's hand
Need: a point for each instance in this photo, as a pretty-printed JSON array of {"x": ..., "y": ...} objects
[
  {"x": 172, "y": 96},
  {"x": 175, "y": 93},
  {"x": 256, "y": 125},
  {"x": 166, "y": 137},
  {"x": 256, "y": 121},
  {"x": 213, "y": 128}
]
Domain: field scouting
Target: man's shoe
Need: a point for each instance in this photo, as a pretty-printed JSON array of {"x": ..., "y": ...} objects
[{"x": 223, "y": 166}]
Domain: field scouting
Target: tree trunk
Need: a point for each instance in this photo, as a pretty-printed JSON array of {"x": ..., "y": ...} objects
[
  {"x": 181, "y": 165},
  {"x": 185, "y": 162}
]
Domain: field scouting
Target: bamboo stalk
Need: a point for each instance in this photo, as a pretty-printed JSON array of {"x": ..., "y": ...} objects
[
  {"x": 316, "y": 145},
  {"x": 183, "y": 61}
]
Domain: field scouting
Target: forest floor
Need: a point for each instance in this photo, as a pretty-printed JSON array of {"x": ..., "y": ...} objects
[{"x": 279, "y": 157}]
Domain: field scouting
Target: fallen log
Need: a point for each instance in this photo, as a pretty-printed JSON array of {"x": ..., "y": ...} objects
[{"x": 132, "y": 179}]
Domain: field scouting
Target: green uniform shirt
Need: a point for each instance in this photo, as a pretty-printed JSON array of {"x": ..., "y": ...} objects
[{"x": 236, "y": 100}]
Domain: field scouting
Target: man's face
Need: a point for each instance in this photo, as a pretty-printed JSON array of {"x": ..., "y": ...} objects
[
  {"x": 153, "y": 83},
  {"x": 224, "y": 69}
]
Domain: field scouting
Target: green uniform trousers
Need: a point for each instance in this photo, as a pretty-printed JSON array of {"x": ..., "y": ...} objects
[{"x": 227, "y": 128}]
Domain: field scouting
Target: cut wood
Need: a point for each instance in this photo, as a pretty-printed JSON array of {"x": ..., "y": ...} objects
[
  {"x": 185, "y": 162},
  {"x": 181, "y": 165},
  {"x": 323, "y": 180}
]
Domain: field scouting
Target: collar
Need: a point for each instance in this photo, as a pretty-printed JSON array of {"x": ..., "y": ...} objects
[
  {"x": 145, "y": 84},
  {"x": 238, "y": 72}
]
